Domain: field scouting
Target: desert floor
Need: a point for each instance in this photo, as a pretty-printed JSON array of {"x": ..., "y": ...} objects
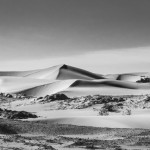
[
  {"x": 75, "y": 124},
  {"x": 46, "y": 134}
]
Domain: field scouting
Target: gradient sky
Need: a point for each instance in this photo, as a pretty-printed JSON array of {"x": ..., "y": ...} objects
[{"x": 104, "y": 36}]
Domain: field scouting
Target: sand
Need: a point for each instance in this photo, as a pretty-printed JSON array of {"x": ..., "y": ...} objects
[
  {"x": 71, "y": 81},
  {"x": 75, "y": 82},
  {"x": 70, "y": 128},
  {"x": 139, "y": 118}
]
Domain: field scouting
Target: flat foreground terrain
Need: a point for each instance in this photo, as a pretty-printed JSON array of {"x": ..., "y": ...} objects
[{"x": 45, "y": 134}]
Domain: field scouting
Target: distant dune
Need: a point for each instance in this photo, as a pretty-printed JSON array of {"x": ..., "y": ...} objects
[
  {"x": 72, "y": 81},
  {"x": 133, "y": 77}
]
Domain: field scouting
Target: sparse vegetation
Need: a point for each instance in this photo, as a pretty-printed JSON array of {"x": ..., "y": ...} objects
[
  {"x": 112, "y": 107},
  {"x": 144, "y": 80},
  {"x": 103, "y": 112},
  {"x": 127, "y": 112},
  {"x": 54, "y": 134},
  {"x": 10, "y": 114}
]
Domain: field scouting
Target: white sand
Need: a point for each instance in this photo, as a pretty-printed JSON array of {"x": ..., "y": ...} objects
[
  {"x": 140, "y": 118},
  {"x": 136, "y": 121},
  {"x": 76, "y": 82},
  {"x": 71, "y": 81}
]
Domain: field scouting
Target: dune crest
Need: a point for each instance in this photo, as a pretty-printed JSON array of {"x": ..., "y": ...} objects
[{"x": 70, "y": 80}]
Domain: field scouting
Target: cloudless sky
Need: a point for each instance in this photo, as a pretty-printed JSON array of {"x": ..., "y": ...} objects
[{"x": 98, "y": 35}]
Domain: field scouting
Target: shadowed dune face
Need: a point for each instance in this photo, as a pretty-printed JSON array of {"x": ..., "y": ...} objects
[
  {"x": 68, "y": 72},
  {"x": 68, "y": 79},
  {"x": 104, "y": 83}
]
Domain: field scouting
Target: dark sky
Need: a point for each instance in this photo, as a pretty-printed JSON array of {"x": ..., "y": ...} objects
[{"x": 53, "y": 28}]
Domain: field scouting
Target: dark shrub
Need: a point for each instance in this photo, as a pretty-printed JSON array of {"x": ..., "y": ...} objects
[
  {"x": 9, "y": 114},
  {"x": 103, "y": 112},
  {"x": 111, "y": 107},
  {"x": 39, "y": 98},
  {"x": 21, "y": 115},
  {"x": 56, "y": 97},
  {"x": 9, "y": 96},
  {"x": 144, "y": 80}
]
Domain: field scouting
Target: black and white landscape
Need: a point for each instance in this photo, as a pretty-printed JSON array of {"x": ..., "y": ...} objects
[
  {"x": 60, "y": 101},
  {"x": 74, "y": 74}
]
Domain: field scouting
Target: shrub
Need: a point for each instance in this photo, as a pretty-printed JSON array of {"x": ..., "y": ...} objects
[
  {"x": 144, "y": 80},
  {"x": 56, "y": 97},
  {"x": 111, "y": 107},
  {"x": 103, "y": 112},
  {"x": 127, "y": 112}
]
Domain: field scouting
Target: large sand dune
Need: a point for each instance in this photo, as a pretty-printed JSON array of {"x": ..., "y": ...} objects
[
  {"x": 72, "y": 81},
  {"x": 60, "y": 72},
  {"x": 74, "y": 87}
]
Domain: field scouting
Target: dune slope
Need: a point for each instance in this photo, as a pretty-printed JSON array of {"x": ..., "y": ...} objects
[
  {"x": 60, "y": 72},
  {"x": 74, "y": 87},
  {"x": 72, "y": 81}
]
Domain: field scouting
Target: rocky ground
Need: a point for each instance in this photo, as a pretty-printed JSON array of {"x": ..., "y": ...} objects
[
  {"x": 100, "y": 103},
  {"x": 10, "y": 114},
  {"x": 42, "y": 135},
  {"x": 61, "y": 101},
  {"x": 47, "y": 134}
]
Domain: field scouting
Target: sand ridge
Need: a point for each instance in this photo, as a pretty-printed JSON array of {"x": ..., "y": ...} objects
[{"x": 70, "y": 80}]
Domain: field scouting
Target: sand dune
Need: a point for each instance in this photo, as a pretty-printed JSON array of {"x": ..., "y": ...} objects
[
  {"x": 133, "y": 77},
  {"x": 75, "y": 82},
  {"x": 72, "y": 81},
  {"x": 48, "y": 89},
  {"x": 16, "y": 84},
  {"x": 106, "y": 87},
  {"x": 107, "y": 82},
  {"x": 60, "y": 72},
  {"x": 68, "y": 72},
  {"x": 74, "y": 87}
]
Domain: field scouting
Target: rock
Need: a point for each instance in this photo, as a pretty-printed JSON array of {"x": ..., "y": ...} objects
[
  {"x": 39, "y": 98},
  {"x": 9, "y": 96},
  {"x": 21, "y": 115},
  {"x": 55, "y": 97},
  {"x": 10, "y": 114}
]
